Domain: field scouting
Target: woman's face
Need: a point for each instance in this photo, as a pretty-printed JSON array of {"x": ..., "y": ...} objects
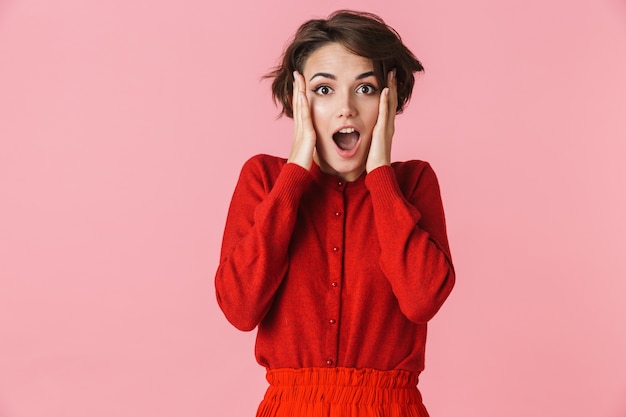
[{"x": 343, "y": 96}]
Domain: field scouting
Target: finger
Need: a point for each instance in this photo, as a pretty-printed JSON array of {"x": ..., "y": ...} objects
[
  {"x": 299, "y": 81},
  {"x": 392, "y": 100},
  {"x": 294, "y": 97},
  {"x": 305, "y": 112},
  {"x": 302, "y": 99},
  {"x": 303, "y": 104},
  {"x": 393, "y": 90},
  {"x": 383, "y": 106}
]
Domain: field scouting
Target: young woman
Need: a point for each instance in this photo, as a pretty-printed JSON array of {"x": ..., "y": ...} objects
[{"x": 337, "y": 255}]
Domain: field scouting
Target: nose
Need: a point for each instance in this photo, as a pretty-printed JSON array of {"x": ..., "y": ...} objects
[{"x": 347, "y": 107}]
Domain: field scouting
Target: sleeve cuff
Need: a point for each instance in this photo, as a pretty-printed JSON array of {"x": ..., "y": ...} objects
[
  {"x": 292, "y": 182},
  {"x": 383, "y": 185}
]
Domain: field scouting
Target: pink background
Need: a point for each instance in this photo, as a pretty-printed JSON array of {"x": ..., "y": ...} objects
[{"x": 123, "y": 126}]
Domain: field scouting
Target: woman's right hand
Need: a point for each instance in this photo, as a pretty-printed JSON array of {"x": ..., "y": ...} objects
[{"x": 303, "y": 144}]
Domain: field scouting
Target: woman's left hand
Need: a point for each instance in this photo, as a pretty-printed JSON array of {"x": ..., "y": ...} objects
[{"x": 380, "y": 148}]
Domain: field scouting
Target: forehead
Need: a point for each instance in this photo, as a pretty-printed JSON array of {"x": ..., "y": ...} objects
[{"x": 333, "y": 58}]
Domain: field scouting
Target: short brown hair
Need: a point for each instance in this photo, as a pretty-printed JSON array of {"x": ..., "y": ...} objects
[{"x": 363, "y": 34}]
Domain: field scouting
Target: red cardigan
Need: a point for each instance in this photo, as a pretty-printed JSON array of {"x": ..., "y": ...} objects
[{"x": 335, "y": 273}]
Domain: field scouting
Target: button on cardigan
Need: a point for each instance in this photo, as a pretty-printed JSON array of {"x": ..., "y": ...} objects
[{"x": 335, "y": 273}]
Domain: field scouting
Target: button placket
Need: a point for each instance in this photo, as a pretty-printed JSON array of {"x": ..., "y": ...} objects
[{"x": 335, "y": 241}]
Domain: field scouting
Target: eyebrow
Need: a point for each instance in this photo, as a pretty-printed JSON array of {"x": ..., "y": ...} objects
[{"x": 332, "y": 77}]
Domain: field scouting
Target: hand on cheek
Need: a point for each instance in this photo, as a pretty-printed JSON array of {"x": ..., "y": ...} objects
[
  {"x": 380, "y": 148},
  {"x": 303, "y": 132}
]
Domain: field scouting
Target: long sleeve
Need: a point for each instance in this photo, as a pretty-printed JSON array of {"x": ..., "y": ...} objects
[
  {"x": 254, "y": 257},
  {"x": 410, "y": 224}
]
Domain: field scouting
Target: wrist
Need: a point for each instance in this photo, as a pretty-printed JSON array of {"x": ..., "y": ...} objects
[
  {"x": 369, "y": 167},
  {"x": 303, "y": 162}
]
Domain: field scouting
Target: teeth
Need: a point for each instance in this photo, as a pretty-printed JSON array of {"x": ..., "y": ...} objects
[{"x": 347, "y": 130}]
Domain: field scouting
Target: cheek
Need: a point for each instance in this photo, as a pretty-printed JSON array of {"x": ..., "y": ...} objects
[
  {"x": 370, "y": 113},
  {"x": 319, "y": 112},
  {"x": 374, "y": 105}
]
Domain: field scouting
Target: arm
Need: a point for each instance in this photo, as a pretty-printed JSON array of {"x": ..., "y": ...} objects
[
  {"x": 415, "y": 256},
  {"x": 260, "y": 222}
]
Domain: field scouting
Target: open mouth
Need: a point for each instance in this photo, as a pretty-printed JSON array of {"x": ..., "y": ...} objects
[{"x": 346, "y": 138}]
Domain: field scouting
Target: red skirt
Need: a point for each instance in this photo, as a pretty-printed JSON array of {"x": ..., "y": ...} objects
[{"x": 341, "y": 392}]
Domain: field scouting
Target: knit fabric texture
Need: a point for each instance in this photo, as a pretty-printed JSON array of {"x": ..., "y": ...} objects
[{"x": 335, "y": 273}]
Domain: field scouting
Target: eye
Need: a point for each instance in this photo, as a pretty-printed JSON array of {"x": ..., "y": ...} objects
[
  {"x": 323, "y": 90},
  {"x": 367, "y": 89}
]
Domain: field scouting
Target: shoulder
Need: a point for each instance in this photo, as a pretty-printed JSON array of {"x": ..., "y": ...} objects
[
  {"x": 263, "y": 166},
  {"x": 414, "y": 174},
  {"x": 412, "y": 169},
  {"x": 265, "y": 162}
]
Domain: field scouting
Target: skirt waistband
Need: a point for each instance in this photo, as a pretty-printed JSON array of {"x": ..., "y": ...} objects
[
  {"x": 342, "y": 377},
  {"x": 341, "y": 392}
]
